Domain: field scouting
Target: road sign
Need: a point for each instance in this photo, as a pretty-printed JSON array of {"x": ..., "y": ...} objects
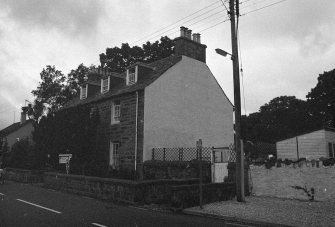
[{"x": 64, "y": 158}]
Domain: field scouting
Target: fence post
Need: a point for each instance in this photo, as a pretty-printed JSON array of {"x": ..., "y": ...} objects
[
  {"x": 199, "y": 151},
  {"x": 153, "y": 154},
  {"x": 164, "y": 154}
]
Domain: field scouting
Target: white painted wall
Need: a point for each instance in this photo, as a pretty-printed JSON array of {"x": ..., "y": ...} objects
[
  {"x": 186, "y": 104},
  {"x": 311, "y": 146},
  {"x": 24, "y": 132}
]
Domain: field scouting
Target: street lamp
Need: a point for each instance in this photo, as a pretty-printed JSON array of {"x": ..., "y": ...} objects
[
  {"x": 223, "y": 53},
  {"x": 237, "y": 109}
]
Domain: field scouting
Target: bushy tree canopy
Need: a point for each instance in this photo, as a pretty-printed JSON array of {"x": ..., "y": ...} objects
[
  {"x": 281, "y": 118},
  {"x": 322, "y": 98},
  {"x": 118, "y": 59}
]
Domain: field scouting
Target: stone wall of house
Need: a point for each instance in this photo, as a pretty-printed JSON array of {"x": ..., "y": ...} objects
[
  {"x": 284, "y": 181},
  {"x": 123, "y": 132}
]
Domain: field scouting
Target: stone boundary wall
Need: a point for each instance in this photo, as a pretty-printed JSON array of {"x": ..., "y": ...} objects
[
  {"x": 280, "y": 181},
  {"x": 151, "y": 191},
  {"x": 24, "y": 176},
  {"x": 178, "y": 193}
]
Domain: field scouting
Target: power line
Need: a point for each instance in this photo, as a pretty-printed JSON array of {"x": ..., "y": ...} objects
[
  {"x": 161, "y": 29},
  {"x": 253, "y": 4},
  {"x": 252, "y": 11},
  {"x": 154, "y": 37},
  {"x": 214, "y": 25}
]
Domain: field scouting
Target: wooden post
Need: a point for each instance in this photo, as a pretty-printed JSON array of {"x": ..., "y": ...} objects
[
  {"x": 153, "y": 154},
  {"x": 199, "y": 151}
]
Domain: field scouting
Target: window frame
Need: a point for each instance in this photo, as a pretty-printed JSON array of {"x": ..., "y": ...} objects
[
  {"x": 82, "y": 96},
  {"x": 102, "y": 85},
  {"x": 135, "y": 74},
  {"x": 116, "y": 119},
  {"x": 114, "y": 154}
]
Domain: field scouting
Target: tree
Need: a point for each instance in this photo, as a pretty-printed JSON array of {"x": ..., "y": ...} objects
[
  {"x": 56, "y": 89},
  {"x": 118, "y": 59},
  {"x": 74, "y": 79},
  {"x": 49, "y": 95},
  {"x": 281, "y": 118},
  {"x": 322, "y": 98}
]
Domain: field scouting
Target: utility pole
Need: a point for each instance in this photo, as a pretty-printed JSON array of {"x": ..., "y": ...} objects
[{"x": 237, "y": 105}]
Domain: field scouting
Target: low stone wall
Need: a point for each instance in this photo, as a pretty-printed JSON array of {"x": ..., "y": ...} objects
[
  {"x": 151, "y": 191},
  {"x": 184, "y": 196},
  {"x": 24, "y": 176},
  {"x": 178, "y": 193},
  {"x": 285, "y": 181}
]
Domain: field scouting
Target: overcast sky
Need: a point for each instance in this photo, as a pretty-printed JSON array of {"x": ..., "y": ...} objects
[{"x": 284, "y": 47}]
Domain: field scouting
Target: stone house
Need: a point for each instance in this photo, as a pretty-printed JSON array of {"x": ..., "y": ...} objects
[
  {"x": 17, "y": 131},
  {"x": 171, "y": 102}
]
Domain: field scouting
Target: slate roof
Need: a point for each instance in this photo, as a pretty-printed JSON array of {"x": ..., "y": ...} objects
[
  {"x": 12, "y": 128},
  {"x": 160, "y": 67}
]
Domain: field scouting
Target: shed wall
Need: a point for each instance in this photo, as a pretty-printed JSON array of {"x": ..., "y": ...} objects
[{"x": 310, "y": 146}]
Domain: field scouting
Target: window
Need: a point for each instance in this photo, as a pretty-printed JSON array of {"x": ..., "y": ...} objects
[
  {"x": 114, "y": 157},
  {"x": 83, "y": 92},
  {"x": 105, "y": 85},
  {"x": 132, "y": 75},
  {"x": 116, "y": 112},
  {"x": 331, "y": 151}
]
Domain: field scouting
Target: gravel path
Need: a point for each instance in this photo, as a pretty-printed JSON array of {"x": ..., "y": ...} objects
[{"x": 275, "y": 210}]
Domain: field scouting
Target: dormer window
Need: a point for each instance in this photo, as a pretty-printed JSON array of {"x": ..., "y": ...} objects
[
  {"x": 105, "y": 85},
  {"x": 132, "y": 75},
  {"x": 83, "y": 92}
]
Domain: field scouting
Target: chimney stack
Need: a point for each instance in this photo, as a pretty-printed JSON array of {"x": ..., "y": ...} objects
[
  {"x": 190, "y": 45},
  {"x": 23, "y": 114}
]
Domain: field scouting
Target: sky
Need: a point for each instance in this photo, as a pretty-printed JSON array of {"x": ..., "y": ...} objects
[{"x": 284, "y": 44}]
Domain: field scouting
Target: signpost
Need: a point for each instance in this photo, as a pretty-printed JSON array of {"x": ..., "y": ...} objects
[{"x": 65, "y": 159}]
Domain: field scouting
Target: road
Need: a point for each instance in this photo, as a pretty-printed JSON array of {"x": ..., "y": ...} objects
[{"x": 31, "y": 205}]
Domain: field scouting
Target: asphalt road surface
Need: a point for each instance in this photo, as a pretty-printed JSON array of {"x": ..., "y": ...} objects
[{"x": 31, "y": 205}]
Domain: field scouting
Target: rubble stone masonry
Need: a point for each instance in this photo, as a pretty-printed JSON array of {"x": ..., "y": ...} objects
[{"x": 123, "y": 132}]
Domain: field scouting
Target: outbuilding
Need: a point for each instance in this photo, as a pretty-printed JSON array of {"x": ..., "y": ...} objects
[{"x": 313, "y": 145}]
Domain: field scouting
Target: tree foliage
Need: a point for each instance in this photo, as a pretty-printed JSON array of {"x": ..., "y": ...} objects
[
  {"x": 118, "y": 59},
  {"x": 48, "y": 94},
  {"x": 69, "y": 131},
  {"x": 322, "y": 98},
  {"x": 281, "y": 118},
  {"x": 22, "y": 155}
]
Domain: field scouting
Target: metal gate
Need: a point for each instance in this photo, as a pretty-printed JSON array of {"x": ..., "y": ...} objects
[{"x": 220, "y": 157}]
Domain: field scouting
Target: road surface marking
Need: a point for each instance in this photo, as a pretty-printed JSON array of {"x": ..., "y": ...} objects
[
  {"x": 96, "y": 224},
  {"x": 33, "y": 204}
]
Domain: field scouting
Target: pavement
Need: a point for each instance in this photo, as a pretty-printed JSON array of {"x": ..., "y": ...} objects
[{"x": 269, "y": 211}]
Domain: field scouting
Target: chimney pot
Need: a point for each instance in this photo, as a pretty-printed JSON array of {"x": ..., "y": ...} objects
[
  {"x": 182, "y": 31},
  {"x": 194, "y": 37},
  {"x": 198, "y": 38},
  {"x": 189, "y": 33}
]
